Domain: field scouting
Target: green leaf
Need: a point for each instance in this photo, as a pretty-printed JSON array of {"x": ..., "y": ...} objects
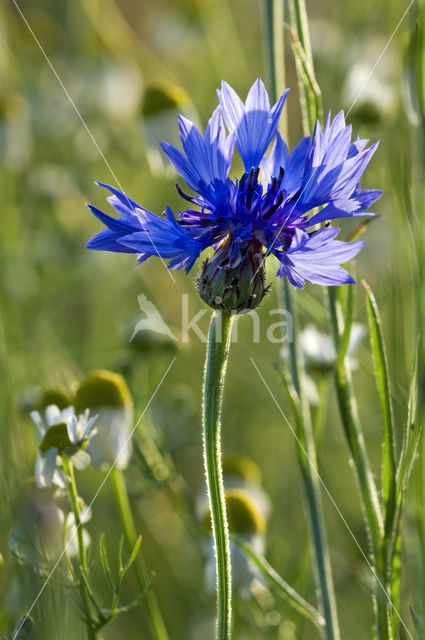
[
  {"x": 131, "y": 605},
  {"x": 417, "y": 623},
  {"x": 383, "y": 385},
  {"x": 311, "y": 97},
  {"x": 352, "y": 427},
  {"x": 411, "y": 439},
  {"x": 105, "y": 562},
  {"x": 280, "y": 585},
  {"x": 395, "y": 570},
  {"x": 348, "y": 323},
  {"x": 133, "y": 555},
  {"x": 360, "y": 229},
  {"x": 119, "y": 555},
  {"x": 90, "y": 592},
  {"x": 291, "y": 394},
  {"x": 411, "y": 436},
  {"x": 56, "y": 436}
]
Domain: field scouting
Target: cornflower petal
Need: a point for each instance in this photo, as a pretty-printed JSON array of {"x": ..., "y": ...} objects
[
  {"x": 356, "y": 205},
  {"x": 317, "y": 258},
  {"x": 271, "y": 166},
  {"x": 166, "y": 238},
  {"x": 206, "y": 160},
  {"x": 254, "y": 123}
]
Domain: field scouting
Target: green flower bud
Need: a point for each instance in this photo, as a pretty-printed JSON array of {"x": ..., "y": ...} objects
[
  {"x": 102, "y": 389},
  {"x": 107, "y": 395},
  {"x": 56, "y": 396},
  {"x": 242, "y": 467},
  {"x": 163, "y": 96},
  {"x": 243, "y": 516},
  {"x": 149, "y": 342},
  {"x": 162, "y": 102},
  {"x": 236, "y": 290}
]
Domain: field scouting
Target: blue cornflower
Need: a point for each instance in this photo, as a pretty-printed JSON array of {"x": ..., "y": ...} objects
[{"x": 247, "y": 219}]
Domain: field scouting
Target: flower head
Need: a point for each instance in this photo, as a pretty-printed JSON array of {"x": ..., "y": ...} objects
[
  {"x": 61, "y": 433},
  {"x": 318, "y": 349},
  {"x": 247, "y": 521},
  {"x": 107, "y": 395},
  {"x": 266, "y": 211},
  {"x": 248, "y": 509},
  {"x": 42, "y": 524},
  {"x": 318, "y": 355}
]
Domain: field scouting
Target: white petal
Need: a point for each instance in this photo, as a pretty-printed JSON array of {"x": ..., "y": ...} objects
[
  {"x": 45, "y": 466},
  {"x": 72, "y": 428},
  {"x": 89, "y": 431},
  {"x": 358, "y": 332},
  {"x": 52, "y": 413},
  {"x": 39, "y": 424},
  {"x": 80, "y": 460}
]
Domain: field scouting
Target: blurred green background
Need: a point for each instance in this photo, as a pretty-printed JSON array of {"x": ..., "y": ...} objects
[{"x": 65, "y": 310}]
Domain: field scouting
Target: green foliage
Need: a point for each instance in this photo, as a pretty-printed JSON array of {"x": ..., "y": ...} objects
[
  {"x": 278, "y": 584},
  {"x": 382, "y": 382},
  {"x": 64, "y": 311}
]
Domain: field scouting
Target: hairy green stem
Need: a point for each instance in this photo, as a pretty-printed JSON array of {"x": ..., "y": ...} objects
[
  {"x": 156, "y": 621},
  {"x": 214, "y": 374},
  {"x": 82, "y": 556}
]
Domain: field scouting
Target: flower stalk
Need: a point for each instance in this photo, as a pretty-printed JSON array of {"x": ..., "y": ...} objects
[
  {"x": 307, "y": 458},
  {"x": 341, "y": 331},
  {"x": 123, "y": 505},
  {"x": 307, "y": 452},
  {"x": 310, "y": 94},
  {"x": 82, "y": 556},
  {"x": 379, "y": 532},
  {"x": 214, "y": 373},
  {"x": 275, "y": 51}
]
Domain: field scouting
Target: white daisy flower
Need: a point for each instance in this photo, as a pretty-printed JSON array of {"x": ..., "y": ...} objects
[
  {"x": 107, "y": 394},
  {"x": 61, "y": 432},
  {"x": 43, "y": 525},
  {"x": 249, "y": 524}
]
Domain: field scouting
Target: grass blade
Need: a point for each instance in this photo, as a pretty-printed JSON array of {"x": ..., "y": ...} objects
[
  {"x": 310, "y": 90},
  {"x": 382, "y": 382},
  {"x": 417, "y": 623},
  {"x": 105, "y": 562},
  {"x": 280, "y": 585},
  {"x": 351, "y": 422},
  {"x": 411, "y": 436}
]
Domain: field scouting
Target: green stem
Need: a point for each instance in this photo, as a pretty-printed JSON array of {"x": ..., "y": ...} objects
[
  {"x": 82, "y": 556},
  {"x": 307, "y": 457},
  {"x": 299, "y": 24},
  {"x": 275, "y": 52},
  {"x": 368, "y": 492},
  {"x": 298, "y": 13},
  {"x": 156, "y": 621},
  {"x": 354, "y": 434},
  {"x": 214, "y": 374},
  {"x": 281, "y": 586},
  {"x": 307, "y": 460}
]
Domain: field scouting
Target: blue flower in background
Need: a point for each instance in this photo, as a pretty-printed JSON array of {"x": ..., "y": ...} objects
[{"x": 248, "y": 219}]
